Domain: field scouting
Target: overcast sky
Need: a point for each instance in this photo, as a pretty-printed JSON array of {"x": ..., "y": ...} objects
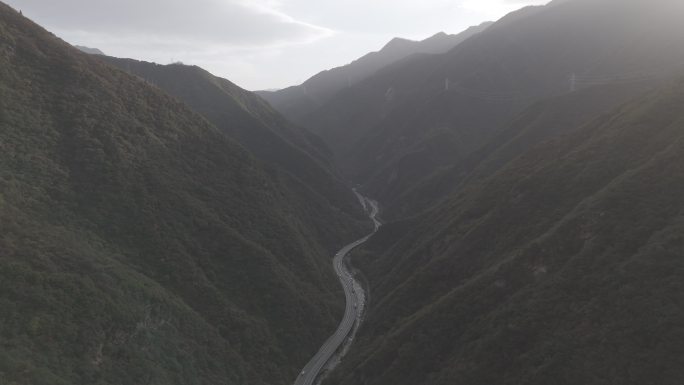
[{"x": 258, "y": 44}]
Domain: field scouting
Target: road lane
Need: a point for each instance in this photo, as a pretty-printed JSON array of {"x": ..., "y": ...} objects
[{"x": 313, "y": 368}]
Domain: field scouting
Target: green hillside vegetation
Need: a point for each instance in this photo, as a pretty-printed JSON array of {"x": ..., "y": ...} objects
[
  {"x": 563, "y": 267},
  {"x": 253, "y": 123},
  {"x": 541, "y": 122},
  {"x": 138, "y": 243}
]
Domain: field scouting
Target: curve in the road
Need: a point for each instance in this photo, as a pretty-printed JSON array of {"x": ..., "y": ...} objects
[{"x": 313, "y": 368}]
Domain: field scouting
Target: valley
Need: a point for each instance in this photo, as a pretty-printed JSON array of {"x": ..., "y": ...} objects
[
  {"x": 355, "y": 301},
  {"x": 500, "y": 205}
]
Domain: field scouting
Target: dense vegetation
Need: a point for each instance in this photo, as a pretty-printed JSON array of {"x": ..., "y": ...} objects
[
  {"x": 563, "y": 267},
  {"x": 301, "y": 156},
  {"x": 540, "y": 122},
  {"x": 139, "y": 244}
]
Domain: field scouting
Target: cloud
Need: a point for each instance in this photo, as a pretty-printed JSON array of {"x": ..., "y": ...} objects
[
  {"x": 498, "y": 7},
  {"x": 368, "y": 16},
  {"x": 236, "y": 39},
  {"x": 256, "y": 43},
  {"x": 214, "y": 22}
]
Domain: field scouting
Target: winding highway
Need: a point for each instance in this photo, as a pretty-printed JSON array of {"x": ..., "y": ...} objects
[{"x": 313, "y": 368}]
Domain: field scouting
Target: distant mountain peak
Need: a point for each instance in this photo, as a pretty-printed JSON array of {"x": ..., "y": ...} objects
[
  {"x": 299, "y": 101},
  {"x": 439, "y": 35},
  {"x": 398, "y": 42},
  {"x": 90, "y": 51}
]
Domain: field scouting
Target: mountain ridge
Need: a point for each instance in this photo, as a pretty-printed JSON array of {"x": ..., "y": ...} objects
[
  {"x": 297, "y": 101},
  {"x": 88, "y": 50},
  {"x": 392, "y": 130}
]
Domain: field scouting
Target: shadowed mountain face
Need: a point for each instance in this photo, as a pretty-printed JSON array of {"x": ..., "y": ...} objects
[
  {"x": 541, "y": 122},
  {"x": 549, "y": 250},
  {"x": 248, "y": 119},
  {"x": 299, "y": 101},
  {"x": 140, "y": 243},
  {"x": 414, "y": 117},
  {"x": 564, "y": 266}
]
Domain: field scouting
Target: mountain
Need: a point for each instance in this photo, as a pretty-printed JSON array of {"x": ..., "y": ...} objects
[
  {"x": 541, "y": 122},
  {"x": 140, "y": 243},
  {"x": 536, "y": 200},
  {"x": 564, "y": 266},
  {"x": 88, "y": 50},
  {"x": 252, "y": 122},
  {"x": 415, "y": 117},
  {"x": 297, "y": 102}
]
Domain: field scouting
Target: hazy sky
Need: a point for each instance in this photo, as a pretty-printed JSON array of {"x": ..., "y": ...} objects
[{"x": 258, "y": 44}]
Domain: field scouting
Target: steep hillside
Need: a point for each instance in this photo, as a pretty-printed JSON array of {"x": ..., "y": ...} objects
[
  {"x": 563, "y": 267},
  {"x": 139, "y": 244},
  {"x": 299, "y": 101},
  {"x": 541, "y": 122},
  {"x": 434, "y": 111},
  {"x": 253, "y": 123}
]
